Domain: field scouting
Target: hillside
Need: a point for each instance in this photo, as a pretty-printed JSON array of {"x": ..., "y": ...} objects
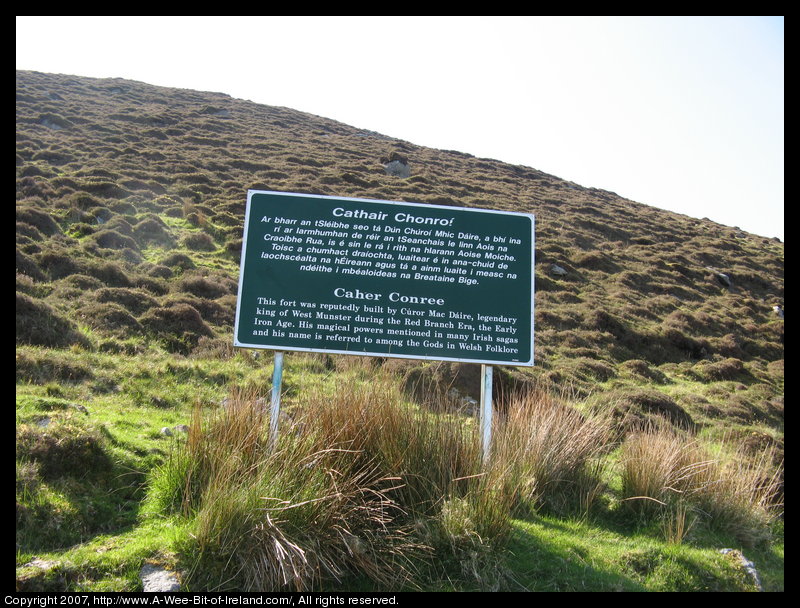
[{"x": 130, "y": 207}]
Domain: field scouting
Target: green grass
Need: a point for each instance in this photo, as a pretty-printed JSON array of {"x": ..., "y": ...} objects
[
  {"x": 561, "y": 555},
  {"x": 475, "y": 547},
  {"x": 108, "y": 562}
]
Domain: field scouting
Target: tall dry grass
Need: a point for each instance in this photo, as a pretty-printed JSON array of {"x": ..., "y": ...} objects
[
  {"x": 364, "y": 483},
  {"x": 668, "y": 474},
  {"x": 550, "y": 454},
  {"x": 746, "y": 494},
  {"x": 360, "y": 483},
  {"x": 431, "y": 456},
  {"x": 288, "y": 516}
]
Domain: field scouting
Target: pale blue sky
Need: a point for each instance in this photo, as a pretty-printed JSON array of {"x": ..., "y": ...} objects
[{"x": 682, "y": 113}]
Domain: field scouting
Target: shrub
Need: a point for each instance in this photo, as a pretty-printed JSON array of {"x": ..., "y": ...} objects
[
  {"x": 59, "y": 263},
  {"x": 228, "y": 219},
  {"x": 39, "y": 324},
  {"x": 155, "y": 286},
  {"x": 123, "y": 207},
  {"x": 601, "y": 320},
  {"x": 643, "y": 369},
  {"x": 27, "y": 266},
  {"x": 594, "y": 260},
  {"x": 134, "y": 300},
  {"x": 727, "y": 369},
  {"x": 110, "y": 273},
  {"x": 160, "y": 271},
  {"x": 153, "y": 229},
  {"x": 109, "y": 316},
  {"x": 688, "y": 346},
  {"x": 81, "y": 229},
  {"x": 83, "y": 200},
  {"x": 233, "y": 247},
  {"x": 32, "y": 232},
  {"x": 217, "y": 312},
  {"x": 50, "y": 367},
  {"x": 597, "y": 370},
  {"x": 199, "y": 241},
  {"x": 179, "y": 325},
  {"x": 104, "y": 188},
  {"x": 638, "y": 408},
  {"x": 26, "y": 285},
  {"x": 178, "y": 260},
  {"x": 82, "y": 281},
  {"x": 204, "y": 287},
  {"x": 120, "y": 225},
  {"x": 111, "y": 239},
  {"x": 31, "y": 186}
]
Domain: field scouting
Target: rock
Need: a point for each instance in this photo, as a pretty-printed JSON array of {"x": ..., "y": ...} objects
[
  {"x": 778, "y": 310},
  {"x": 557, "y": 270},
  {"x": 166, "y": 431},
  {"x": 721, "y": 277},
  {"x": 466, "y": 404},
  {"x": 181, "y": 428},
  {"x": 38, "y": 562},
  {"x": 40, "y": 575},
  {"x": 81, "y": 408},
  {"x": 156, "y": 579},
  {"x": 748, "y": 566},
  {"x": 397, "y": 168}
]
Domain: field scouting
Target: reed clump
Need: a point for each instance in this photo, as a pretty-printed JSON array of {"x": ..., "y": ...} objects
[
  {"x": 551, "y": 454},
  {"x": 363, "y": 483},
  {"x": 677, "y": 477}
]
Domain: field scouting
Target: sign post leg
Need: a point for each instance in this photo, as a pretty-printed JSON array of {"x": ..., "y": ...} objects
[
  {"x": 275, "y": 404},
  {"x": 486, "y": 411}
]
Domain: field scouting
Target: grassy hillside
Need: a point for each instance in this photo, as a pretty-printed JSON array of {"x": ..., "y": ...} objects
[{"x": 130, "y": 207}]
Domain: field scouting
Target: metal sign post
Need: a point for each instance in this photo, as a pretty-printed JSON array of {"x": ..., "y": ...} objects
[
  {"x": 275, "y": 404},
  {"x": 486, "y": 411}
]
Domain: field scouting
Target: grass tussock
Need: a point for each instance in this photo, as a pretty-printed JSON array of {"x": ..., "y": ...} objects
[
  {"x": 551, "y": 453},
  {"x": 362, "y": 483},
  {"x": 679, "y": 479},
  {"x": 281, "y": 517}
]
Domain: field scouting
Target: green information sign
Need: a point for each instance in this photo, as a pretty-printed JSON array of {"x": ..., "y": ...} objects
[{"x": 389, "y": 279}]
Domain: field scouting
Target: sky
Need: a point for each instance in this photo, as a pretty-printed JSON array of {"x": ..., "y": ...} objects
[{"x": 680, "y": 113}]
